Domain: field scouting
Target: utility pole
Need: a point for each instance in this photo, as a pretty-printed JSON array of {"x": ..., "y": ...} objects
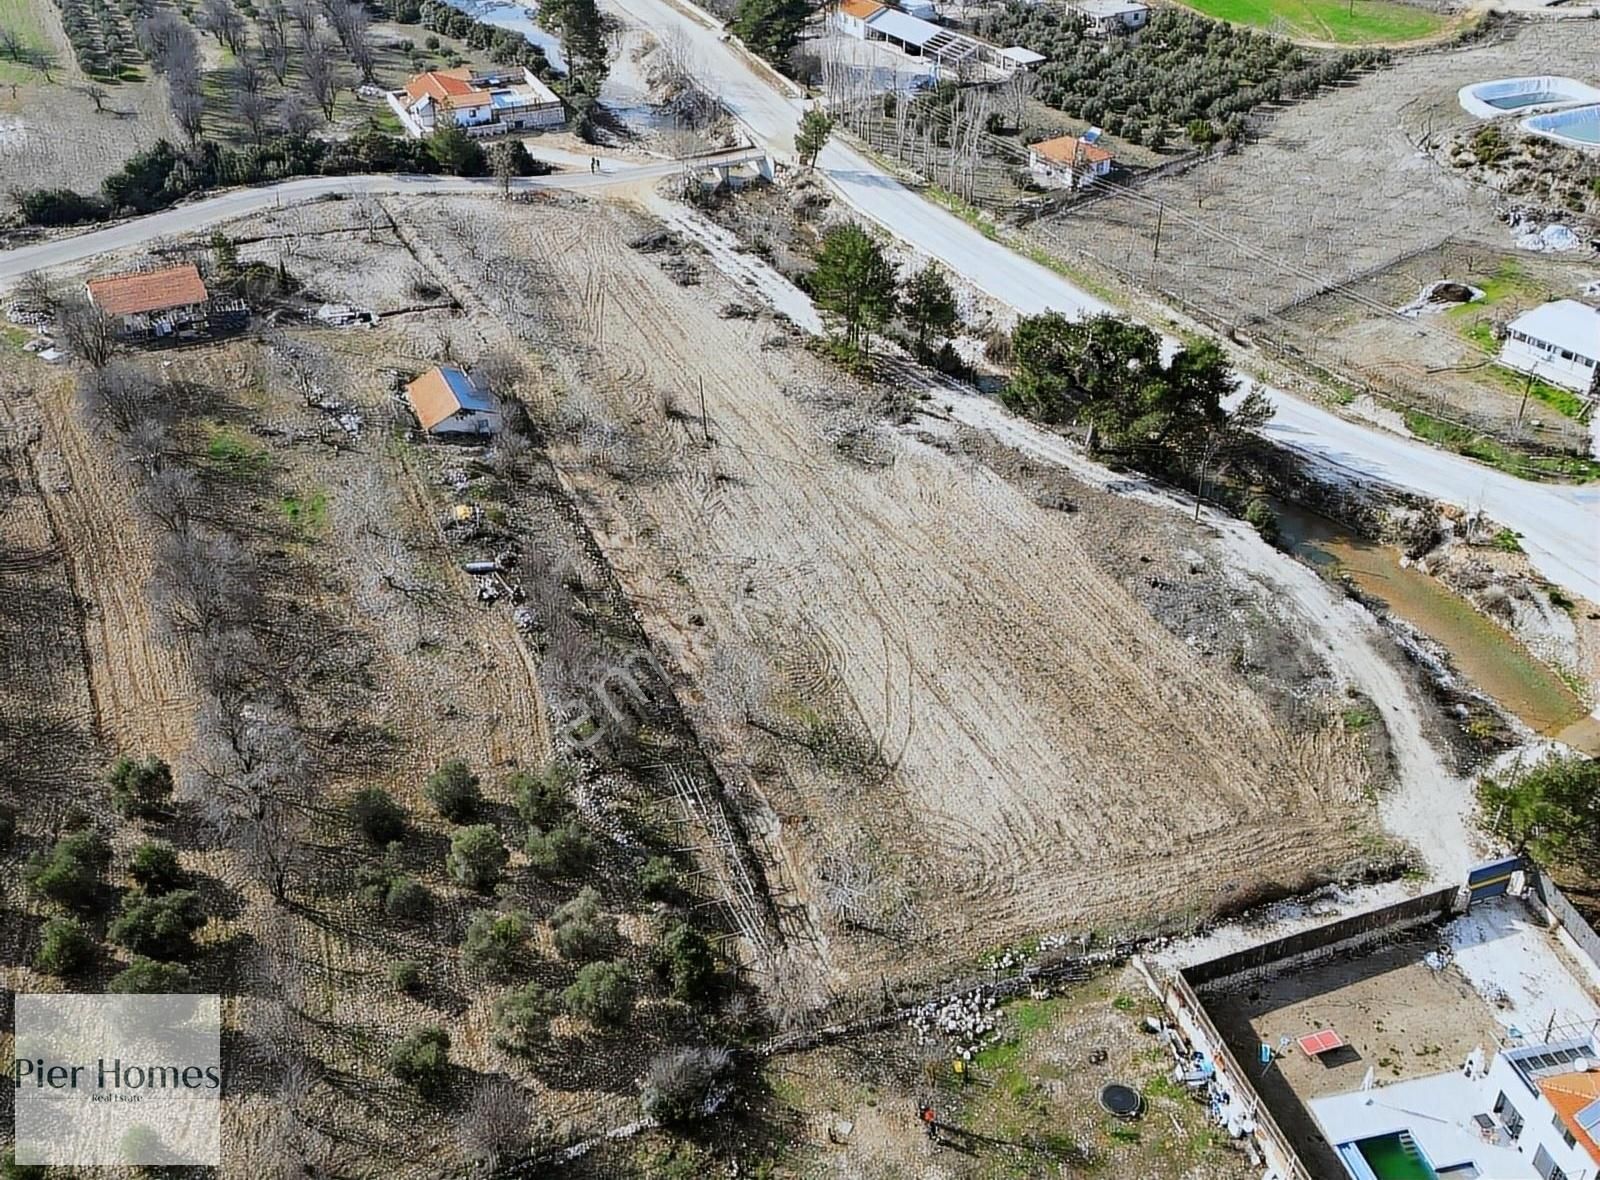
[
  {"x": 1527, "y": 388},
  {"x": 705, "y": 422}
]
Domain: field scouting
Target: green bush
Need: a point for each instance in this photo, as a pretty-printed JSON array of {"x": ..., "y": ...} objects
[
  {"x": 602, "y": 994},
  {"x": 543, "y": 798},
  {"x": 422, "y": 1060},
  {"x": 453, "y": 791},
  {"x": 580, "y": 930},
  {"x": 65, "y": 947},
  {"x": 70, "y": 874},
  {"x": 377, "y": 816},
  {"x": 687, "y": 962},
  {"x": 496, "y": 942},
  {"x": 140, "y": 788},
  {"x": 159, "y": 927},
  {"x": 476, "y": 857},
  {"x": 8, "y": 826},
  {"x": 522, "y": 1018},
  {"x": 155, "y": 868},
  {"x": 563, "y": 851},
  {"x": 1258, "y": 514},
  {"x": 146, "y": 977},
  {"x": 11, "y": 1170},
  {"x": 1550, "y": 811},
  {"x": 405, "y": 976},
  {"x": 406, "y": 899},
  {"x": 59, "y": 206},
  {"x": 659, "y": 879}
]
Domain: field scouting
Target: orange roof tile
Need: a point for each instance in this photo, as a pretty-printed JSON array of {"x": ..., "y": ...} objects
[
  {"x": 1064, "y": 149},
  {"x": 440, "y": 85},
  {"x": 149, "y": 290},
  {"x": 860, "y": 9},
  {"x": 1569, "y": 1093},
  {"x": 439, "y": 394}
]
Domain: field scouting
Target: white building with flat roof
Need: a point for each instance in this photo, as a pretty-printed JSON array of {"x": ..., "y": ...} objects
[
  {"x": 1112, "y": 16},
  {"x": 1528, "y": 1113},
  {"x": 1557, "y": 342}
]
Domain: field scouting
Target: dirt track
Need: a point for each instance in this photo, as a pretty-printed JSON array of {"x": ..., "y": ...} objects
[{"x": 961, "y": 698}]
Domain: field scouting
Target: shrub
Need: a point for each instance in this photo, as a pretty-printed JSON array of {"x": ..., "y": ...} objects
[
  {"x": 659, "y": 879},
  {"x": 405, "y": 976},
  {"x": 522, "y": 1018},
  {"x": 495, "y": 942},
  {"x": 65, "y": 947},
  {"x": 11, "y": 1170},
  {"x": 145, "y": 977},
  {"x": 159, "y": 927},
  {"x": 422, "y": 1060},
  {"x": 377, "y": 816},
  {"x": 453, "y": 791},
  {"x": 476, "y": 857},
  {"x": 406, "y": 899},
  {"x": 687, "y": 962},
  {"x": 684, "y": 1086},
  {"x": 544, "y": 798},
  {"x": 8, "y": 826},
  {"x": 602, "y": 994},
  {"x": 1258, "y": 514},
  {"x": 563, "y": 851},
  {"x": 155, "y": 868},
  {"x": 70, "y": 874},
  {"x": 59, "y": 206},
  {"x": 581, "y": 931},
  {"x": 140, "y": 788}
]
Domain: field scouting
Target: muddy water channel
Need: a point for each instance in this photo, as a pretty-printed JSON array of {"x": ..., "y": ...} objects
[{"x": 1482, "y": 652}]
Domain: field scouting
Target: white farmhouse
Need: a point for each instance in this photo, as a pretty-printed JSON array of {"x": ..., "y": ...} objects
[
  {"x": 1529, "y": 1113},
  {"x": 485, "y": 103},
  {"x": 449, "y": 403},
  {"x": 852, "y": 17},
  {"x": 1558, "y": 342},
  {"x": 1108, "y": 17},
  {"x": 1068, "y": 161}
]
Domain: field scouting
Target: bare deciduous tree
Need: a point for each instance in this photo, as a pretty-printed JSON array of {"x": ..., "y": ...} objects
[
  {"x": 168, "y": 497},
  {"x": 89, "y": 333},
  {"x": 226, "y": 23},
  {"x": 97, "y": 94},
  {"x": 322, "y": 80},
  {"x": 37, "y": 293},
  {"x": 204, "y": 585},
  {"x": 254, "y": 110},
  {"x": 496, "y": 1128},
  {"x": 296, "y": 116}
]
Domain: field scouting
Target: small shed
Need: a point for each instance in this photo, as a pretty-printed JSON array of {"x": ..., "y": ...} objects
[
  {"x": 448, "y": 402},
  {"x": 1557, "y": 342},
  {"x": 1017, "y": 57},
  {"x": 1069, "y": 161},
  {"x": 166, "y": 301}
]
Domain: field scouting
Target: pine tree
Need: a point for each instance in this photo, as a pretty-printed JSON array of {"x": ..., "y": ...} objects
[
  {"x": 854, "y": 281},
  {"x": 770, "y": 27},
  {"x": 928, "y": 304}
]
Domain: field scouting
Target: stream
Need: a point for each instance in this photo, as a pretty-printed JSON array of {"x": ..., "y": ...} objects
[{"x": 1484, "y": 653}]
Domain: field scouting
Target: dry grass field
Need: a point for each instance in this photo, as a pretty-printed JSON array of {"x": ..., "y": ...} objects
[{"x": 962, "y": 730}]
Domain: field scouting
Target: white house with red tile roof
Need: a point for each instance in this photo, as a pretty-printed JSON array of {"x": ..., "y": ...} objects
[
  {"x": 486, "y": 103},
  {"x": 1068, "y": 161}
]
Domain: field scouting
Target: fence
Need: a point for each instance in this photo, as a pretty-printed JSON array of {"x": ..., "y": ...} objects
[
  {"x": 1296, "y": 949},
  {"x": 1563, "y": 912}
]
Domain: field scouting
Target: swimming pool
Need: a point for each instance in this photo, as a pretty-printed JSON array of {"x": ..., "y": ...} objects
[
  {"x": 1490, "y": 100},
  {"x": 1394, "y": 1157},
  {"x": 1578, "y": 127}
]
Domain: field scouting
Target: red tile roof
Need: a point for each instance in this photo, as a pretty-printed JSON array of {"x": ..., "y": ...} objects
[
  {"x": 860, "y": 9},
  {"x": 148, "y": 291},
  {"x": 1569, "y": 1093},
  {"x": 1064, "y": 149}
]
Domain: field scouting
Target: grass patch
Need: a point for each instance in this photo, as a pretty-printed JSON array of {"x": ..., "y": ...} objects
[
  {"x": 1343, "y": 22},
  {"x": 308, "y": 513},
  {"x": 22, "y": 19},
  {"x": 234, "y": 453},
  {"x": 1358, "y": 718},
  {"x": 1473, "y": 445},
  {"x": 1507, "y": 541}
]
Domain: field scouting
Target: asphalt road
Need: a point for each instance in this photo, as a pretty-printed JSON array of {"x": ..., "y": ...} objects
[
  {"x": 197, "y": 215},
  {"x": 1560, "y": 525}
]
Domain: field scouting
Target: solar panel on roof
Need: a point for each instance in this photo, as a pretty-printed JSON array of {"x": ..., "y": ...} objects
[{"x": 1589, "y": 1117}]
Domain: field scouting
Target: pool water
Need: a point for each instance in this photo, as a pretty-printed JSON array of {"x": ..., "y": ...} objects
[
  {"x": 1390, "y": 1158},
  {"x": 1513, "y": 102},
  {"x": 1581, "y": 125}
]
